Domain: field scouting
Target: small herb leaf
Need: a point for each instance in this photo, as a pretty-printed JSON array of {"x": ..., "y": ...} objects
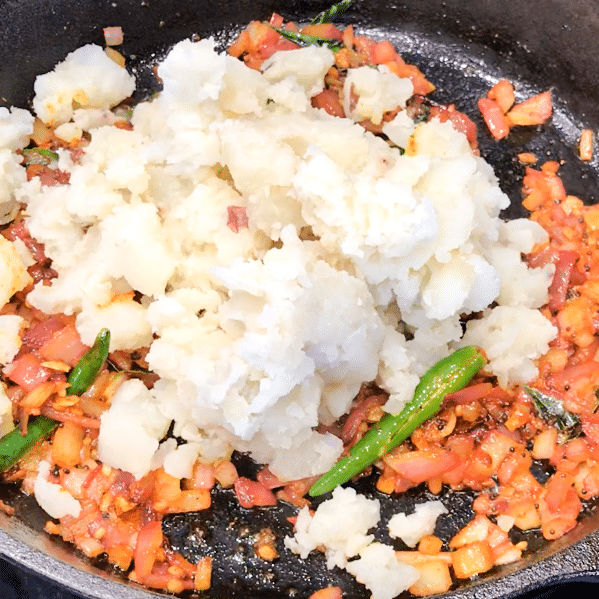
[
  {"x": 308, "y": 40},
  {"x": 552, "y": 410},
  {"x": 329, "y": 15}
]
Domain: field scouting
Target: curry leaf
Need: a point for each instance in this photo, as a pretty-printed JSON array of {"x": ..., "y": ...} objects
[
  {"x": 308, "y": 40},
  {"x": 552, "y": 410},
  {"x": 329, "y": 15}
]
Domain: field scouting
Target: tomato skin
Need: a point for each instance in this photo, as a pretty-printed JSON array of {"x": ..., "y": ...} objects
[
  {"x": 38, "y": 334},
  {"x": 329, "y": 101},
  {"x": 541, "y": 188},
  {"x": 65, "y": 345},
  {"x": 326, "y": 30},
  {"x": 268, "y": 479},
  {"x": 237, "y": 218},
  {"x": 470, "y": 394},
  {"x": 149, "y": 540},
  {"x": 503, "y": 93},
  {"x": 422, "y": 465},
  {"x": 495, "y": 119},
  {"x": 564, "y": 266},
  {"x": 383, "y": 52},
  {"x": 28, "y": 372},
  {"x": 585, "y": 145},
  {"x": 590, "y": 427},
  {"x": 533, "y": 111},
  {"x": 327, "y": 593},
  {"x": 251, "y": 493}
]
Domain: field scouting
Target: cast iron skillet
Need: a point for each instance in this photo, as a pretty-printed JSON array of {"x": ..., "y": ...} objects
[{"x": 463, "y": 48}]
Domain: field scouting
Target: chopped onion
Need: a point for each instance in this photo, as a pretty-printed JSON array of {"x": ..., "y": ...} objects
[
  {"x": 113, "y": 36},
  {"x": 115, "y": 56}
]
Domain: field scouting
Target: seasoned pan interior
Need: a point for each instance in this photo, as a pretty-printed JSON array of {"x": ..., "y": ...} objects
[{"x": 463, "y": 48}]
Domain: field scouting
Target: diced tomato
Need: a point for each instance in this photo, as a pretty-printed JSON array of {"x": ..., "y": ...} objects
[
  {"x": 20, "y": 231},
  {"x": 527, "y": 158},
  {"x": 465, "y": 125},
  {"x": 251, "y": 493},
  {"x": 561, "y": 499},
  {"x": 422, "y": 465},
  {"x": 585, "y": 145},
  {"x": 237, "y": 218},
  {"x": 348, "y": 37},
  {"x": 479, "y": 468},
  {"x": 203, "y": 476},
  {"x": 149, "y": 540},
  {"x": 513, "y": 464},
  {"x": 27, "y": 372},
  {"x": 577, "y": 450},
  {"x": 503, "y": 93},
  {"x": 590, "y": 427},
  {"x": 364, "y": 44},
  {"x": 573, "y": 374},
  {"x": 329, "y": 101},
  {"x": 36, "y": 335},
  {"x": 494, "y": 118},
  {"x": 48, "y": 176},
  {"x": 225, "y": 473},
  {"x": 541, "y": 188},
  {"x": 141, "y": 490},
  {"x": 276, "y": 20},
  {"x": 383, "y": 52},
  {"x": 326, "y": 30},
  {"x": 65, "y": 345},
  {"x": 327, "y": 593},
  {"x": 294, "y": 492},
  {"x": 240, "y": 45},
  {"x": 469, "y": 394},
  {"x": 533, "y": 111},
  {"x": 260, "y": 41},
  {"x": 268, "y": 479},
  {"x": 67, "y": 444},
  {"x": 122, "y": 483}
]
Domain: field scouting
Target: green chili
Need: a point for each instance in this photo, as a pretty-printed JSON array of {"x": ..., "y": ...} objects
[
  {"x": 329, "y": 15},
  {"x": 14, "y": 445},
  {"x": 450, "y": 374},
  {"x": 86, "y": 370},
  {"x": 303, "y": 39}
]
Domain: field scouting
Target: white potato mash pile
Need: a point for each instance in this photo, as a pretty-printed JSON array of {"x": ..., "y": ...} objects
[{"x": 280, "y": 256}]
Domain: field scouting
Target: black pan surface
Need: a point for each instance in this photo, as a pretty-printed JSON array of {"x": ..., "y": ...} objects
[{"x": 463, "y": 47}]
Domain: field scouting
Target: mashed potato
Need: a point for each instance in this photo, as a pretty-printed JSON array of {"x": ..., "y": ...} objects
[{"x": 278, "y": 254}]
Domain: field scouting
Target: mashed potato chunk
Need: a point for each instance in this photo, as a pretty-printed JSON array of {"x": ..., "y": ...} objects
[
  {"x": 272, "y": 256},
  {"x": 87, "y": 77}
]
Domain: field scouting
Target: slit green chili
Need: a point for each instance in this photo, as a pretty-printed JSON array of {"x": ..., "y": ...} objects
[
  {"x": 450, "y": 374},
  {"x": 86, "y": 370},
  {"x": 14, "y": 445}
]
